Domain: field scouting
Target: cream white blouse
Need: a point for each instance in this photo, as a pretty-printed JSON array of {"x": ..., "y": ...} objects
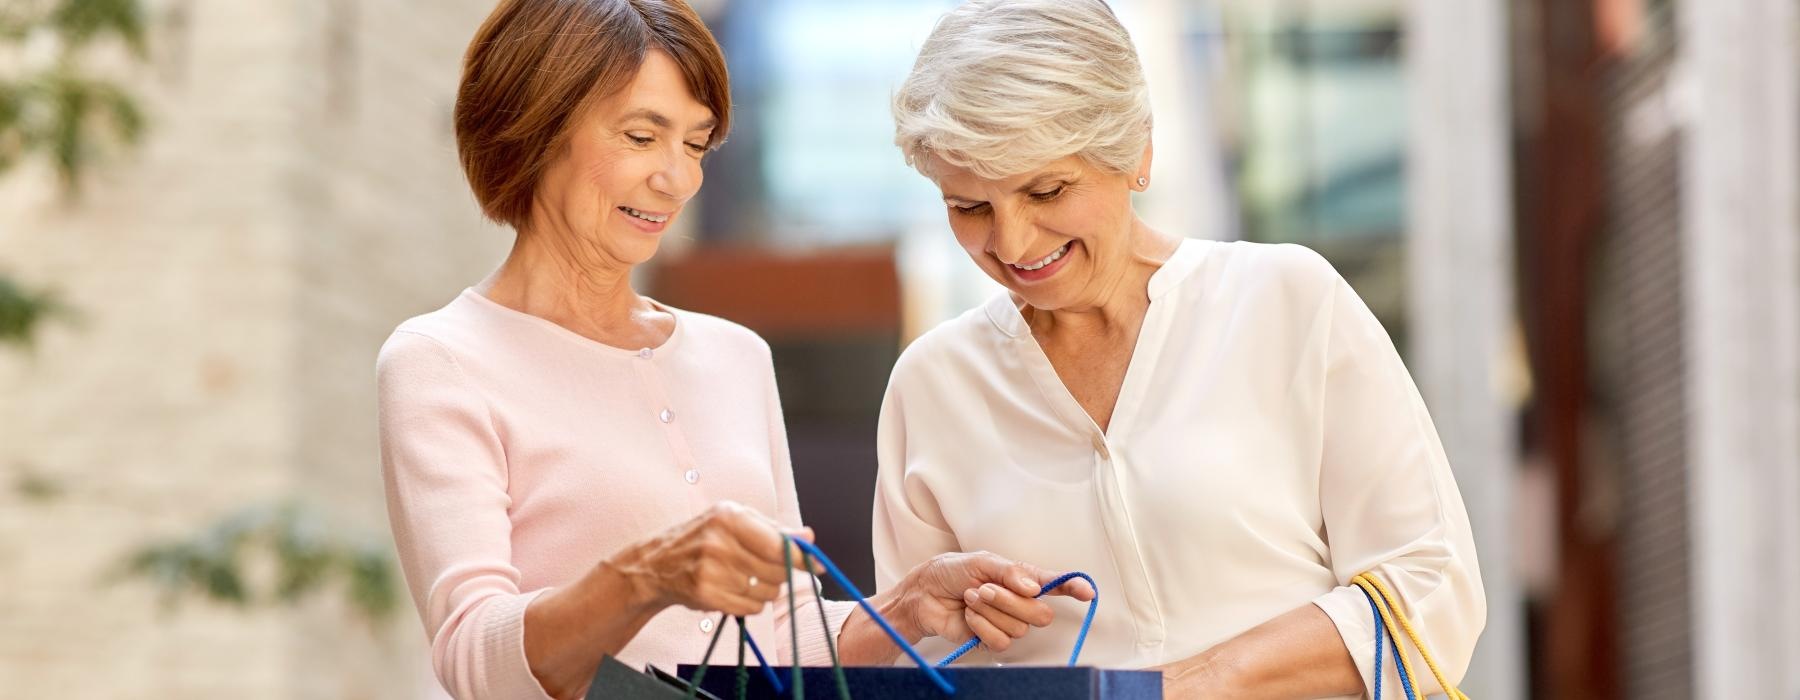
[{"x": 1267, "y": 446}]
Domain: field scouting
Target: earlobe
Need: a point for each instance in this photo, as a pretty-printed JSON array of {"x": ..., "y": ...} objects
[{"x": 1143, "y": 169}]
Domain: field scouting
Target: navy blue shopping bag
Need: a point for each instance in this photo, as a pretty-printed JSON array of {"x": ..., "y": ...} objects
[
  {"x": 897, "y": 683},
  {"x": 927, "y": 681}
]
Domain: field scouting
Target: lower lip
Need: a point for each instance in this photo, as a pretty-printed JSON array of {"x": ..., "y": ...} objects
[
  {"x": 645, "y": 226},
  {"x": 1043, "y": 273}
]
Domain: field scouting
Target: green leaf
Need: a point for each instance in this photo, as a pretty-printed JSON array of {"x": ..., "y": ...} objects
[
  {"x": 373, "y": 586},
  {"x": 82, "y": 21},
  {"x": 63, "y": 113},
  {"x": 22, "y": 311},
  {"x": 12, "y": 107},
  {"x": 310, "y": 560}
]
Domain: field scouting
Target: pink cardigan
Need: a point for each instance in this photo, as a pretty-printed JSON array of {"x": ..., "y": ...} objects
[{"x": 518, "y": 454}]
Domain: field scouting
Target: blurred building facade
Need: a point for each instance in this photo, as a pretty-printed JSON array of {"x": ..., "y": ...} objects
[
  {"x": 1659, "y": 268},
  {"x": 296, "y": 196},
  {"x": 1578, "y": 218}
]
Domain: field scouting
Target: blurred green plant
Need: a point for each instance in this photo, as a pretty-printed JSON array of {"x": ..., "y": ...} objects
[
  {"x": 21, "y": 310},
  {"x": 34, "y": 485},
  {"x": 51, "y": 105},
  {"x": 50, "y": 102},
  {"x": 288, "y": 543}
]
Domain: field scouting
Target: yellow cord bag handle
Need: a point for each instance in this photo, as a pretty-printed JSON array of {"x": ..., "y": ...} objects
[{"x": 1390, "y": 612}]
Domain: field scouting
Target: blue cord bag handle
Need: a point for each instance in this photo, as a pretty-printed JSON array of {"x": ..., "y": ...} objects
[
  {"x": 811, "y": 551},
  {"x": 1080, "y": 639},
  {"x": 1394, "y": 644}
]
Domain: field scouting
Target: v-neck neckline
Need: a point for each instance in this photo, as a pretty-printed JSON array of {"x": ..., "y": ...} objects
[{"x": 1004, "y": 312}]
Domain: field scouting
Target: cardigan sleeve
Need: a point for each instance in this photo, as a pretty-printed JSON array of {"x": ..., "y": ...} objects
[
  {"x": 1389, "y": 501},
  {"x": 445, "y": 477}
]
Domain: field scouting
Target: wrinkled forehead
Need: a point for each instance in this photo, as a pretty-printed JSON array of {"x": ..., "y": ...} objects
[
  {"x": 659, "y": 95},
  {"x": 964, "y": 182}
]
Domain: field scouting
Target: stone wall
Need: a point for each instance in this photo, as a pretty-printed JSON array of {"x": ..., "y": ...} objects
[{"x": 296, "y": 197}]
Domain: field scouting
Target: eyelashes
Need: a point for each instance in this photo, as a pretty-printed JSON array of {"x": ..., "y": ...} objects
[
  {"x": 983, "y": 207},
  {"x": 641, "y": 141}
]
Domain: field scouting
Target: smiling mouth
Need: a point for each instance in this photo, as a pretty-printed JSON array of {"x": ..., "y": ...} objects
[
  {"x": 652, "y": 218},
  {"x": 1054, "y": 256}
]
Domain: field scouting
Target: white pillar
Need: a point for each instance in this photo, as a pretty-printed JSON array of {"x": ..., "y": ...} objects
[
  {"x": 1741, "y": 250},
  {"x": 1460, "y": 266},
  {"x": 1189, "y": 194}
]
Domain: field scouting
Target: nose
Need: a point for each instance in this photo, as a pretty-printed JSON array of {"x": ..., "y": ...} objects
[
  {"x": 678, "y": 178},
  {"x": 1009, "y": 237}
]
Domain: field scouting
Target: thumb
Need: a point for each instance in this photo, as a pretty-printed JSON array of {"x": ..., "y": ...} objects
[{"x": 1077, "y": 588}]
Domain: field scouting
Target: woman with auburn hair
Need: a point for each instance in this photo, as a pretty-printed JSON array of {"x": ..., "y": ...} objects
[
  {"x": 573, "y": 469},
  {"x": 1222, "y": 434}
]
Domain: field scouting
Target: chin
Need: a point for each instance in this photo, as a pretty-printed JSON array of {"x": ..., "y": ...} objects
[
  {"x": 632, "y": 247},
  {"x": 642, "y": 253},
  {"x": 1040, "y": 299}
]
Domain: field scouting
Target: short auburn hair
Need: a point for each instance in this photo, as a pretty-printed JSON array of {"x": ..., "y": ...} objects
[{"x": 536, "y": 65}]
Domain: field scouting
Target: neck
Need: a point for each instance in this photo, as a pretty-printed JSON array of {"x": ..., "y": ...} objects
[
  {"x": 558, "y": 278},
  {"x": 1120, "y": 299}
]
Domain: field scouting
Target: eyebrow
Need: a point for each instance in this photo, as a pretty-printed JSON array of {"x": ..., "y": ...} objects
[
  {"x": 1026, "y": 188},
  {"x": 657, "y": 118},
  {"x": 1040, "y": 180}
]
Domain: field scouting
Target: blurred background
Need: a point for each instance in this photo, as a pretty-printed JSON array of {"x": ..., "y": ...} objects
[{"x": 1579, "y": 220}]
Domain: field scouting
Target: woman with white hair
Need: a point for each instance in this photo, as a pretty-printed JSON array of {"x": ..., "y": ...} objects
[{"x": 1222, "y": 434}]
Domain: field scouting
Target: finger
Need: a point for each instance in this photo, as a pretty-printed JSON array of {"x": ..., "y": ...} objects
[
  {"x": 1076, "y": 588},
  {"x": 720, "y": 581},
  {"x": 765, "y": 538},
  {"x": 756, "y": 579},
  {"x": 991, "y": 637},
  {"x": 1005, "y": 623},
  {"x": 1026, "y": 580},
  {"x": 761, "y": 579},
  {"x": 756, "y": 533},
  {"x": 1035, "y": 579},
  {"x": 799, "y": 556},
  {"x": 721, "y": 557},
  {"x": 733, "y": 604},
  {"x": 953, "y": 625},
  {"x": 1027, "y": 611}
]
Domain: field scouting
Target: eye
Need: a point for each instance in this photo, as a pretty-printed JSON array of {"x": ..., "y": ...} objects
[
  {"x": 969, "y": 209},
  {"x": 1048, "y": 195},
  {"x": 639, "y": 139},
  {"x": 697, "y": 148}
]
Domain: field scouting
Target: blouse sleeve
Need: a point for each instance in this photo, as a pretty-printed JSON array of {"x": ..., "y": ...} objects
[
  {"x": 813, "y": 650},
  {"x": 446, "y": 478},
  {"x": 907, "y": 528},
  {"x": 1390, "y": 503}
]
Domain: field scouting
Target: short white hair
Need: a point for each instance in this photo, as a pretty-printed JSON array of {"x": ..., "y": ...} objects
[{"x": 1003, "y": 87}]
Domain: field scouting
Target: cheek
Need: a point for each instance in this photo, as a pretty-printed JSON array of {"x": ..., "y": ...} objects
[
  {"x": 971, "y": 234},
  {"x": 604, "y": 169},
  {"x": 1073, "y": 221}
]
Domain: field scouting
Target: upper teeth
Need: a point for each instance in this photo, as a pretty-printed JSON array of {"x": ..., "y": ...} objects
[
  {"x": 646, "y": 217},
  {"x": 1052, "y": 257}
]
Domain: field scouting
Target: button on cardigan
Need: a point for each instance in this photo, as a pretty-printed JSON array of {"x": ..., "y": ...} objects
[
  {"x": 1267, "y": 445},
  {"x": 518, "y": 454}
]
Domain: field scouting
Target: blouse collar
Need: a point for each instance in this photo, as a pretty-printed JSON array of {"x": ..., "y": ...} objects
[{"x": 1003, "y": 310}]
